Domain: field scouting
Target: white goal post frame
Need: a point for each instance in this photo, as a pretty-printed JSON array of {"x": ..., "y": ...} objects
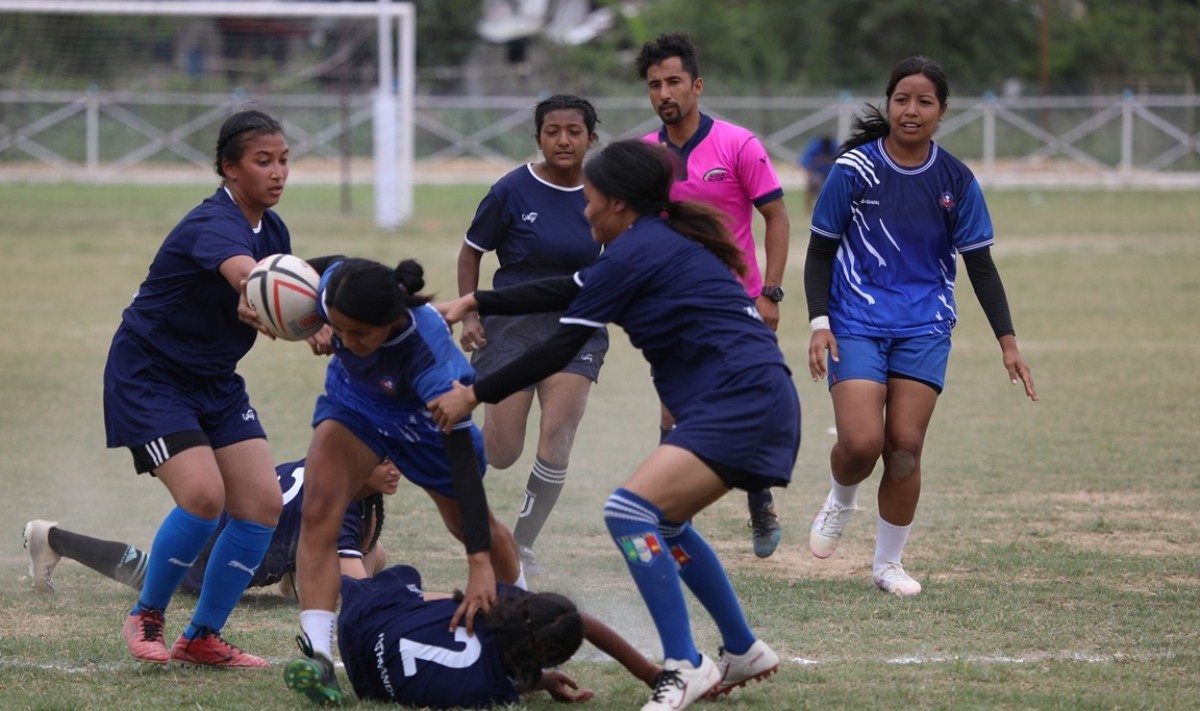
[{"x": 393, "y": 104}]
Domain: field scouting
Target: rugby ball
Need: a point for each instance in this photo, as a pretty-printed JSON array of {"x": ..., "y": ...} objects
[{"x": 282, "y": 288}]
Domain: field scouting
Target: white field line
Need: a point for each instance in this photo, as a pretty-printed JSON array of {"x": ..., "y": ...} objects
[{"x": 593, "y": 656}]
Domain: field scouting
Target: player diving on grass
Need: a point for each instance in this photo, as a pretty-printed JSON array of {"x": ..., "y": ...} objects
[{"x": 359, "y": 550}]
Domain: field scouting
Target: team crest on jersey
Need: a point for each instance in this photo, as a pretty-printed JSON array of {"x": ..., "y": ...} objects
[
  {"x": 529, "y": 217},
  {"x": 640, "y": 549},
  {"x": 946, "y": 201},
  {"x": 388, "y": 384},
  {"x": 717, "y": 175}
]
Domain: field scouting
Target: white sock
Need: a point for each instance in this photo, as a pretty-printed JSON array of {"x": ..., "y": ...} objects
[
  {"x": 889, "y": 542},
  {"x": 521, "y": 578},
  {"x": 318, "y": 625},
  {"x": 844, "y": 496}
]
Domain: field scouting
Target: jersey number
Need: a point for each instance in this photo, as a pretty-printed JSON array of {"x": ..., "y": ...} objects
[{"x": 411, "y": 651}]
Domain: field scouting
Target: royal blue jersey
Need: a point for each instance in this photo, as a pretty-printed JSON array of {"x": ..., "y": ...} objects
[
  {"x": 185, "y": 309},
  {"x": 537, "y": 229},
  {"x": 900, "y": 230},
  {"x": 280, "y": 557},
  {"x": 398, "y": 648},
  {"x": 681, "y": 306},
  {"x": 391, "y": 385}
]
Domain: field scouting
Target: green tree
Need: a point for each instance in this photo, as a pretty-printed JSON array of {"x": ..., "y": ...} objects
[{"x": 446, "y": 31}]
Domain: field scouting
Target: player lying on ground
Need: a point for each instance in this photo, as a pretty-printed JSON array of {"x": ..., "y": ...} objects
[
  {"x": 359, "y": 551},
  {"x": 399, "y": 646}
]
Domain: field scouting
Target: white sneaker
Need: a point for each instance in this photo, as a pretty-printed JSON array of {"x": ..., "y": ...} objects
[
  {"x": 827, "y": 528},
  {"x": 679, "y": 684},
  {"x": 892, "y": 578},
  {"x": 759, "y": 662},
  {"x": 42, "y": 557}
]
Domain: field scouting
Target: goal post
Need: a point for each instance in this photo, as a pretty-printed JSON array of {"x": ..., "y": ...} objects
[{"x": 392, "y": 112}]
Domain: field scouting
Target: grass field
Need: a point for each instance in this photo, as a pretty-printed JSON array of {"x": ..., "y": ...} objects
[{"x": 1058, "y": 542}]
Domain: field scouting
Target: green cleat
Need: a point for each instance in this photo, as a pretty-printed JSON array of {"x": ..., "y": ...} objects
[{"x": 313, "y": 676}]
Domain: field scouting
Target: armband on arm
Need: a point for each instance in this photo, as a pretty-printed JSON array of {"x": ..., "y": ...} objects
[
  {"x": 468, "y": 489},
  {"x": 985, "y": 280},
  {"x": 818, "y": 276},
  {"x": 530, "y": 297}
]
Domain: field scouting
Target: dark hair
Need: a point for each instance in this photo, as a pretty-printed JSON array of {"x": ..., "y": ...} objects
[
  {"x": 370, "y": 511},
  {"x": 231, "y": 142},
  {"x": 565, "y": 102},
  {"x": 667, "y": 45},
  {"x": 534, "y": 631},
  {"x": 372, "y": 293},
  {"x": 641, "y": 174},
  {"x": 874, "y": 124}
]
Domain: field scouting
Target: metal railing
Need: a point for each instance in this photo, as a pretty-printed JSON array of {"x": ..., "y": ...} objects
[{"x": 1125, "y": 140}]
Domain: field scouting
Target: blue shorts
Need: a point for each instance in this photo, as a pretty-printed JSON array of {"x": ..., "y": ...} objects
[
  {"x": 417, "y": 451},
  {"x": 145, "y": 399},
  {"x": 747, "y": 428},
  {"x": 510, "y": 337},
  {"x": 919, "y": 358}
]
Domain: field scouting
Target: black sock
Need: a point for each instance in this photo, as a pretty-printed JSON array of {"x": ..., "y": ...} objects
[
  {"x": 759, "y": 500},
  {"x": 119, "y": 561}
]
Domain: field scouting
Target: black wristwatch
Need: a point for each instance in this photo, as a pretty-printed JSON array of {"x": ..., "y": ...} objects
[{"x": 774, "y": 292}]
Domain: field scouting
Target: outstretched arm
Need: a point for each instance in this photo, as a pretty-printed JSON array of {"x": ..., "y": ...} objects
[
  {"x": 532, "y": 367},
  {"x": 609, "y": 641}
]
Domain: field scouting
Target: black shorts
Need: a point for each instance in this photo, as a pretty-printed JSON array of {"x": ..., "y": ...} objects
[{"x": 510, "y": 337}]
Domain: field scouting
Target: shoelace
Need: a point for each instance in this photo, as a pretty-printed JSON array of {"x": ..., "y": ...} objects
[
  {"x": 666, "y": 678},
  {"x": 152, "y": 627},
  {"x": 835, "y": 515}
]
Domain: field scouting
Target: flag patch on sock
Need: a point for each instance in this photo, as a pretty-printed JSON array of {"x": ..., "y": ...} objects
[
  {"x": 640, "y": 548},
  {"x": 680, "y": 555}
]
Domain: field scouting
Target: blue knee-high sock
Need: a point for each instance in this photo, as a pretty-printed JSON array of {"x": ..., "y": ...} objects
[
  {"x": 633, "y": 523},
  {"x": 179, "y": 540},
  {"x": 702, "y": 572},
  {"x": 234, "y": 559}
]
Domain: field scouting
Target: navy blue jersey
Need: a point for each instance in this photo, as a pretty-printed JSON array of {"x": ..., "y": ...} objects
[
  {"x": 280, "y": 557},
  {"x": 681, "y": 305},
  {"x": 536, "y": 229},
  {"x": 398, "y": 648},
  {"x": 900, "y": 231},
  {"x": 185, "y": 309}
]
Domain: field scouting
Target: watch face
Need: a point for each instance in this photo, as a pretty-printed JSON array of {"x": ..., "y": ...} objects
[{"x": 774, "y": 293}]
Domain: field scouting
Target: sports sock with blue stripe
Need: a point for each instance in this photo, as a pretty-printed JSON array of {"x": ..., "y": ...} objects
[
  {"x": 178, "y": 542},
  {"x": 702, "y": 572},
  {"x": 236, "y": 555},
  {"x": 633, "y": 523}
]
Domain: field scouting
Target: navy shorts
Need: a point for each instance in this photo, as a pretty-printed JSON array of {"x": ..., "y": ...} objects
[
  {"x": 919, "y": 358},
  {"x": 747, "y": 428},
  {"x": 146, "y": 400},
  {"x": 510, "y": 337},
  {"x": 419, "y": 451}
]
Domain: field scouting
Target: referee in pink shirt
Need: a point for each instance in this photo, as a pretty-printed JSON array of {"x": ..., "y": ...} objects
[{"x": 724, "y": 166}]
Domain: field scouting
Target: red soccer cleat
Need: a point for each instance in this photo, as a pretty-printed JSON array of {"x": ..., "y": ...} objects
[
  {"x": 209, "y": 649},
  {"x": 143, "y": 632}
]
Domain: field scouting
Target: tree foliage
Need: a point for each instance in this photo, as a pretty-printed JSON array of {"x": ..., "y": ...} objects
[{"x": 765, "y": 47}]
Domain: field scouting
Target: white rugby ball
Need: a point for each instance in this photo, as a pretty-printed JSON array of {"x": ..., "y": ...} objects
[{"x": 282, "y": 288}]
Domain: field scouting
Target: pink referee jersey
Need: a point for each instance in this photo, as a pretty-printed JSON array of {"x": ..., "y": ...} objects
[{"x": 727, "y": 167}]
